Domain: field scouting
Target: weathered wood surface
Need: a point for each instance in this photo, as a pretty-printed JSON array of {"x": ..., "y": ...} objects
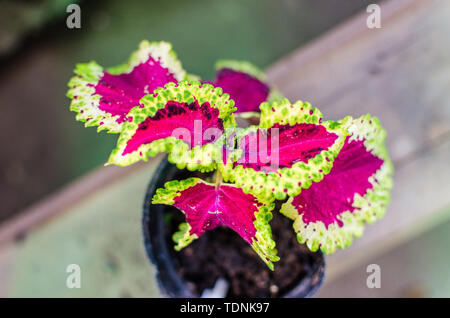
[
  {"x": 100, "y": 232},
  {"x": 400, "y": 73}
]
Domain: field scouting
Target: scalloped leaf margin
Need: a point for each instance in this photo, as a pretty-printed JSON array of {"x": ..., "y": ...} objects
[
  {"x": 200, "y": 157},
  {"x": 285, "y": 181},
  {"x": 262, "y": 242},
  {"x": 85, "y": 102},
  {"x": 367, "y": 208}
]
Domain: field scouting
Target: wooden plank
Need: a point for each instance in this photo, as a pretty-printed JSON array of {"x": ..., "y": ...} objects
[
  {"x": 420, "y": 201},
  {"x": 400, "y": 73},
  {"x": 417, "y": 268},
  {"x": 101, "y": 234},
  {"x": 6, "y": 263},
  {"x": 62, "y": 199}
]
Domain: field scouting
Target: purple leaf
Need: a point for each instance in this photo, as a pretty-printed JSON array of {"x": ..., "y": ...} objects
[
  {"x": 356, "y": 190},
  {"x": 119, "y": 93},
  {"x": 195, "y": 118},
  {"x": 247, "y": 86},
  {"x": 185, "y": 120},
  {"x": 291, "y": 149},
  {"x": 208, "y": 206},
  {"x": 247, "y": 91},
  {"x": 296, "y": 143},
  {"x": 104, "y": 97}
]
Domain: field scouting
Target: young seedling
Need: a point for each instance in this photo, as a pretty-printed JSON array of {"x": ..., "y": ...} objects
[{"x": 333, "y": 176}]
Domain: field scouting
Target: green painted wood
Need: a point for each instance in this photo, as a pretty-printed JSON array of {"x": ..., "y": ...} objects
[
  {"x": 417, "y": 268},
  {"x": 101, "y": 234}
]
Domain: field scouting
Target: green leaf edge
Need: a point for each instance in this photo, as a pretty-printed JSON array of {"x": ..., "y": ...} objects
[
  {"x": 88, "y": 74},
  {"x": 264, "y": 245},
  {"x": 198, "y": 158},
  {"x": 369, "y": 208}
]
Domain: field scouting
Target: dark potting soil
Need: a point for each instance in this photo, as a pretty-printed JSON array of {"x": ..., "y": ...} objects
[{"x": 222, "y": 253}]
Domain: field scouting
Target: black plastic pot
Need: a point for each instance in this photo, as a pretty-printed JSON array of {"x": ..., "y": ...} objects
[{"x": 161, "y": 253}]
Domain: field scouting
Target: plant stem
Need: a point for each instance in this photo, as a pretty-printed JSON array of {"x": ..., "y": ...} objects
[{"x": 218, "y": 178}]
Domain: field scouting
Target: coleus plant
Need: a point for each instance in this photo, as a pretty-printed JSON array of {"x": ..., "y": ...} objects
[{"x": 332, "y": 176}]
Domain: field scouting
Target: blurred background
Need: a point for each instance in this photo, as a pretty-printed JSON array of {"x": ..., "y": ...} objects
[
  {"x": 43, "y": 147},
  {"x": 400, "y": 73}
]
